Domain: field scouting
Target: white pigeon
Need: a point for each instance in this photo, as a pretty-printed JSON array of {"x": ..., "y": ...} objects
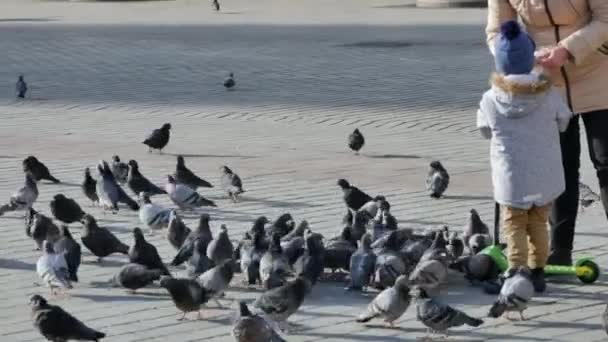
[
  {"x": 53, "y": 268},
  {"x": 184, "y": 197},
  {"x": 515, "y": 294},
  {"x": 153, "y": 215},
  {"x": 23, "y": 198}
]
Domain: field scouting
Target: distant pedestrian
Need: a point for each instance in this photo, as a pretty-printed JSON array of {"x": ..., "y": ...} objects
[
  {"x": 21, "y": 87},
  {"x": 216, "y": 5}
]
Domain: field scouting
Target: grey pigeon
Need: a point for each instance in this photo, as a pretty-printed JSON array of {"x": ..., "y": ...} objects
[
  {"x": 356, "y": 141},
  {"x": 338, "y": 251},
  {"x": 220, "y": 248},
  {"x": 159, "y": 138},
  {"x": 252, "y": 250},
  {"x": 283, "y": 225},
  {"x": 55, "y": 324},
  {"x": 40, "y": 172},
  {"x": 353, "y": 197},
  {"x": 120, "y": 170},
  {"x": 152, "y": 215},
  {"x": 217, "y": 279},
  {"x": 389, "y": 266},
  {"x": 216, "y": 5},
  {"x": 437, "y": 250},
  {"x": 231, "y": 183},
  {"x": 89, "y": 187},
  {"x": 185, "y": 197},
  {"x": 138, "y": 183},
  {"x": 455, "y": 246},
  {"x": 185, "y": 176},
  {"x": 274, "y": 266},
  {"x": 53, "y": 269},
  {"x": 515, "y": 294},
  {"x": 297, "y": 232},
  {"x": 66, "y": 209},
  {"x": 259, "y": 225},
  {"x": 294, "y": 248},
  {"x": 177, "y": 231},
  {"x": 229, "y": 82},
  {"x": 187, "y": 294},
  {"x": 202, "y": 232},
  {"x": 108, "y": 190},
  {"x": 100, "y": 241},
  {"x": 71, "y": 250},
  {"x": 23, "y": 198},
  {"x": 198, "y": 263},
  {"x": 248, "y": 327},
  {"x": 40, "y": 228},
  {"x": 135, "y": 276},
  {"x": 373, "y": 206},
  {"x": 429, "y": 275},
  {"x": 144, "y": 253},
  {"x": 437, "y": 180},
  {"x": 439, "y": 317},
  {"x": 389, "y": 304},
  {"x": 281, "y": 302},
  {"x": 476, "y": 233},
  {"x": 359, "y": 227},
  {"x": 21, "y": 87},
  {"x": 310, "y": 263},
  {"x": 362, "y": 263},
  {"x": 587, "y": 196},
  {"x": 384, "y": 222}
]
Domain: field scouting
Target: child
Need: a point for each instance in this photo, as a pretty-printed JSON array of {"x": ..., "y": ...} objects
[{"x": 522, "y": 115}]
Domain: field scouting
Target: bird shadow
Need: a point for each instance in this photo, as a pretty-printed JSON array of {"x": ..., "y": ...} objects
[
  {"x": 105, "y": 263},
  {"x": 16, "y": 265},
  {"x": 233, "y": 12},
  {"x": 186, "y": 155},
  {"x": 278, "y": 204},
  {"x": 392, "y": 156},
  {"x": 17, "y": 20},
  {"x": 127, "y": 297},
  {"x": 65, "y": 183},
  {"x": 469, "y": 197}
]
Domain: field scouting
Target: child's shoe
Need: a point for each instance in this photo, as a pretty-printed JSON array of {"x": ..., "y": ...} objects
[{"x": 538, "y": 280}]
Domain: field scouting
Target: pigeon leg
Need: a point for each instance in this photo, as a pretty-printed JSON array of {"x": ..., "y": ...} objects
[
  {"x": 521, "y": 316},
  {"x": 217, "y": 302},
  {"x": 183, "y": 317},
  {"x": 199, "y": 316}
]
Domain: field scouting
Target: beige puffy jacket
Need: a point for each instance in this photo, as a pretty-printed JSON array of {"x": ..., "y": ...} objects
[{"x": 581, "y": 26}]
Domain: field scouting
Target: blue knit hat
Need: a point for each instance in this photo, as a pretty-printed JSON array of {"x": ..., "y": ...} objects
[{"x": 514, "y": 50}]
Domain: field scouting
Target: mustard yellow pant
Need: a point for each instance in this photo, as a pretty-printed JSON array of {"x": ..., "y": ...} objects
[{"x": 527, "y": 235}]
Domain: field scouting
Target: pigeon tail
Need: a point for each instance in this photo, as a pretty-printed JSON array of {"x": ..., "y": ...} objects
[
  {"x": 131, "y": 203},
  {"x": 122, "y": 248},
  {"x": 53, "y": 179},
  {"x": 497, "y": 309},
  {"x": 366, "y": 318},
  {"x": 472, "y": 322}
]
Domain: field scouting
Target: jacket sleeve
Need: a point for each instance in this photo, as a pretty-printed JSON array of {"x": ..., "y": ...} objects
[
  {"x": 563, "y": 112},
  {"x": 499, "y": 11},
  {"x": 583, "y": 42},
  {"x": 482, "y": 119}
]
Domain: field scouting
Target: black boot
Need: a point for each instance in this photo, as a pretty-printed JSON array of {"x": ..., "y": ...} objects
[
  {"x": 538, "y": 280},
  {"x": 560, "y": 257}
]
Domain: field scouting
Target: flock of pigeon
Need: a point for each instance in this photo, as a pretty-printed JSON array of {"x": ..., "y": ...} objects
[{"x": 282, "y": 257}]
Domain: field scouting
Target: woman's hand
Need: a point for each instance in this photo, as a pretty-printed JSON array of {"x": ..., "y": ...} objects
[{"x": 554, "y": 58}]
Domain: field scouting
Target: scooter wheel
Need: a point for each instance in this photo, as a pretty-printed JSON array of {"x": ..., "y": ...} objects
[{"x": 588, "y": 272}]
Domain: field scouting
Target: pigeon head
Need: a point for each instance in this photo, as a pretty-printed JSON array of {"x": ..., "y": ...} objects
[
  {"x": 302, "y": 227},
  {"x": 138, "y": 235},
  {"x": 231, "y": 75},
  {"x": 133, "y": 164},
  {"x": 346, "y": 234},
  {"x": 226, "y": 170},
  {"x": 166, "y": 127},
  {"x": 258, "y": 225},
  {"x": 37, "y": 301},
  {"x": 275, "y": 240},
  {"x": 379, "y": 198},
  {"x": 59, "y": 197},
  {"x": 478, "y": 242},
  {"x": 171, "y": 180},
  {"x": 144, "y": 197},
  {"x": 21, "y": 78},
  {"x": 436, "y": 165},
  {"x": 402, "y": 283},
  {"x": 180, "y": 161},
  {"x": 203, "y": 221},
  {"x": 223, "y": 229},
  {"x": 344, "y": 184},
  {"x": 65, "y": 232},
  {"x": 89, "y": 221},
  {"x": 87, "y": 172},
  {"x": 314, "y": 242},
  {"x": 385, "y": 206},
  {"x": 285, "y": 220},
  {"x": 116, "y": 158},
  {"x": 244, "y": 310},
  {"x": 356, "y": 131},
  {"x": 48, "y": 247}
]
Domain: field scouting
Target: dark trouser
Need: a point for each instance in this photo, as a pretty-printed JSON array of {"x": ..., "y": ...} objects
[{"x": 565, "y": 208}]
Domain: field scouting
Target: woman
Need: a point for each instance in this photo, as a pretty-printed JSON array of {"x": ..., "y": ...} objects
[{"x": 572, "y": 44}]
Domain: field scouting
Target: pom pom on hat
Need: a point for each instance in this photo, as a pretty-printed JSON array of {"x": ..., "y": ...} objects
[{"x": 510, "y": 29}]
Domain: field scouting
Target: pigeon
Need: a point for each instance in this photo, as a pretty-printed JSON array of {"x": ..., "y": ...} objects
[
  {"x": 229, "y": 83},
  {"x": 348, "y": 218},
  {"x": 437, "y": 250},
  {"x": 359, "y": 227},
  {"x": 281, "y": 302},
  {"x": 23, "y": 198},
  {"x": 437, "y": 180},
  {"x": 109, "y": 192},
  {"x": 231, "y": 183},
  {"x": 158, "y": 139},
  {"x": 55, "y": 324},
  {"x": 353, "y": 197},
  {"x": 252, "y": 251},
  {"x": 40, "y": 228},
  {"x": 138, "y": 183},
  {"x": 144, "y": 253},
  {"x": 53, "y": 268},
  {"x": 89, "y": 187},
  {"x": 21, "y": 87},
  {"x": 476, "y": 233},
  {"x": 455, "y": 246},
  {"x": 389, "y": 304},
  {"x": 310, "y": 264},
  {"x": 216, "y": 280},
  {"x": 297, "y": 232},
  {"x": 177, "y": 231},
  {"x": 477, "y": 268},
  {"x": 274, "y": 266},
  {"x": 259, "y": 225},
  {"x": 282, "y": 226},
  {"x": 119, "y": 169},
  {"x": 220, "y": 248},
  {"x": 587, "y": 196},
  {"x": 40, "y": 172},
  {"x": 66, "y": 209},
  {"x": 338, "y": 251},
  {"x": 135, "y": 276},
  {"x": 362, "y": 263},
  {"x": 373, "y": 206},
  {"x": 429, "y": 275},
  {"x": 384, "y": 222},
  {"x": 184, "y": 197},
  {"x": 184, "y": 176},
  {"x": 515, "y": 294},
  {"x": 216, "y": 5},
  {"x": 153, "y": 216},
  {"x": 294, "y": 248},
  {"x": 439, "y": 317},
  {"x": 71, "y": 250},
  {"x": 100, "y": 241},
  {"x": 202, "y": 233},
  {"x": 187, "y": 294},
  {"x": 389, "y": 266},
  {"x": 248, "y": 327},
  {"x": 198, "y": 263},
  {"x": 356, "y": 141}
]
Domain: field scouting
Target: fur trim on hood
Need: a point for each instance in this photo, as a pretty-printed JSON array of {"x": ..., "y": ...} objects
[{"x": 529, "y": 84}]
